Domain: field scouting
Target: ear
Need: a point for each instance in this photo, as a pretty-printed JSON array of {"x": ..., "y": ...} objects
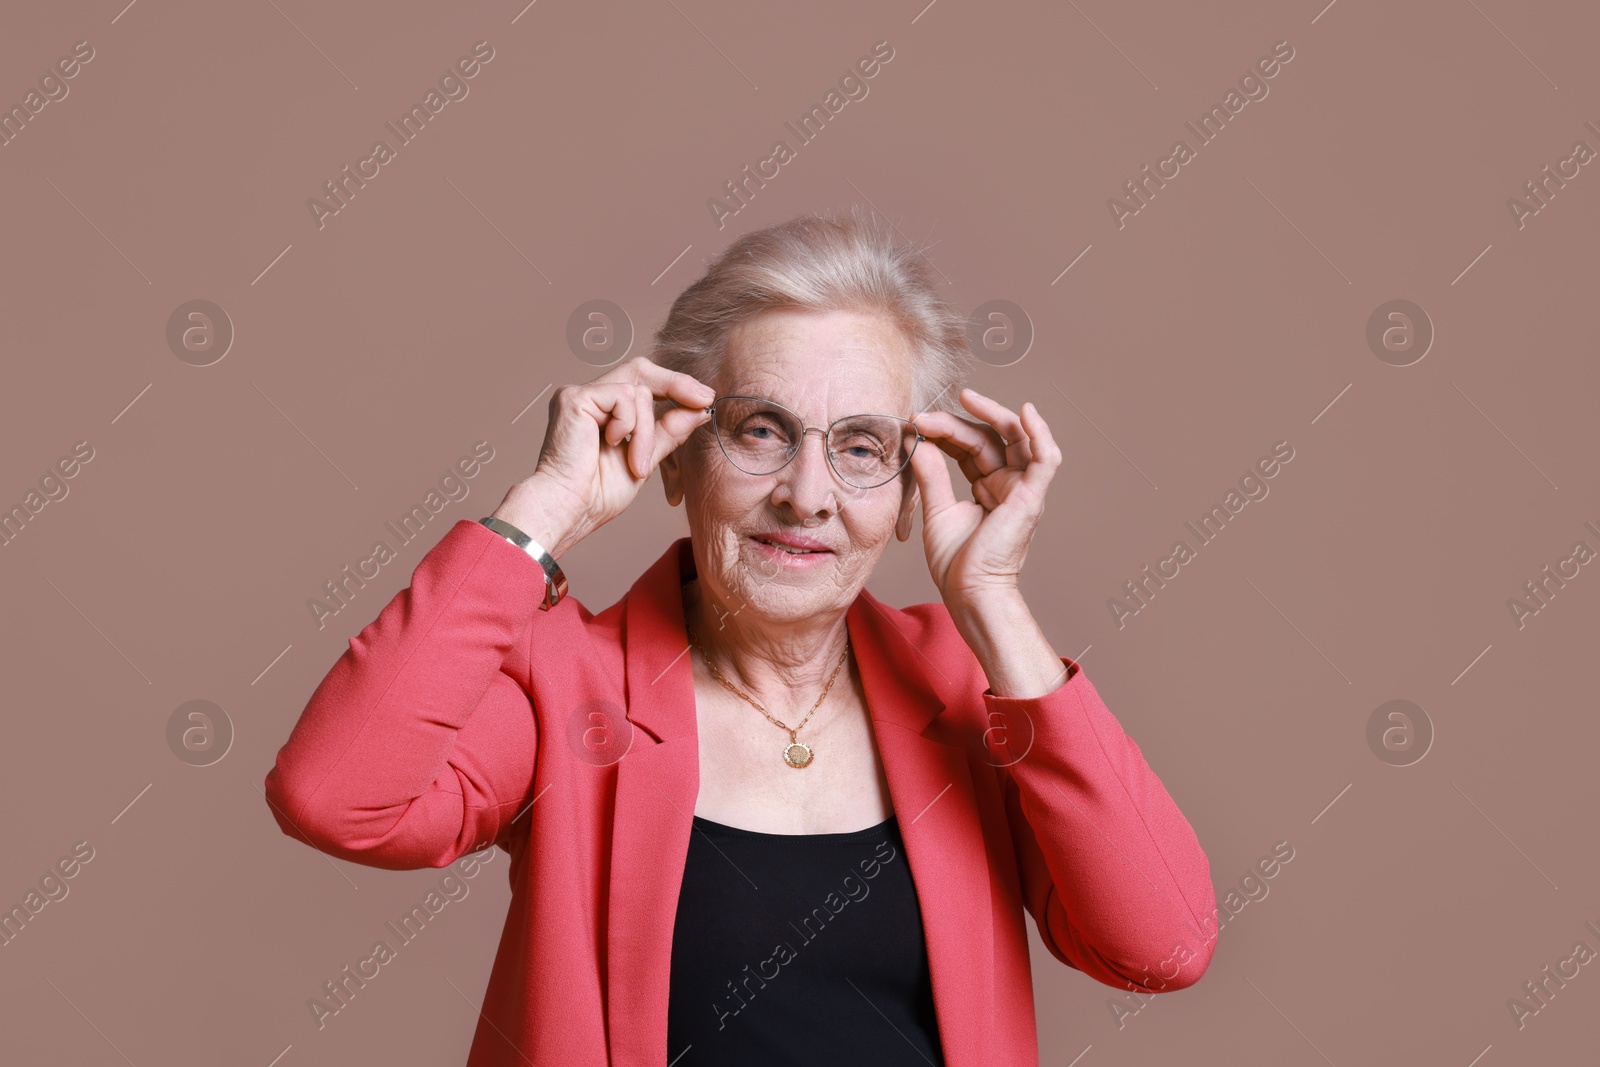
[
  {"x": 909, "y": 495},
  {"x": 671, "y": 478}
]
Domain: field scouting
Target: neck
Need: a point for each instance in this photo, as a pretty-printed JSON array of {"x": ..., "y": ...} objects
[{"x": 782, "y": 664}]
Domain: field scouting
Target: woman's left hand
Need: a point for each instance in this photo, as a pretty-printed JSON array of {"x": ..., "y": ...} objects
[{"x": 975, "y": 547}]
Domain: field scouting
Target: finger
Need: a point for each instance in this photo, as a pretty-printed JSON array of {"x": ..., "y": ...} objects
[
  {"x": 1047, "y": 454},
  {"x": 599, "y": 401},
  {"x": 958, "y": 438},
  {"x": 933, "y": 481},
  {"x": 674, "y": 429},
  {"x": 984, "y": 496},
  {"x": 1025, "y": 505},
  {"x": 978, "y": 449},
  {"x": 685, "y": 389},
  {"x": 1005, "y": 421},
  {"x": 617, "y": 405},
  {"x": 641, "y": 448}
]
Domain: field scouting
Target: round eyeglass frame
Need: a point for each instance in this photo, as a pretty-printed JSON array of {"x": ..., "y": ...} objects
[{"x": 711, "y": 413}]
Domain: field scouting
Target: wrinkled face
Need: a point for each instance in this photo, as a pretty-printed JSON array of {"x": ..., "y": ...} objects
[{"x": 823, "y": 367}]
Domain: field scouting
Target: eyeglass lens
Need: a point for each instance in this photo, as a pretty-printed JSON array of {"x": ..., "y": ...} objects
[{"x": 759, "y": 437}]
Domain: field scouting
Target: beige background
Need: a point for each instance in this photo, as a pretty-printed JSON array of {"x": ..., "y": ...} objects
[{"x": 1229, "y": 314}]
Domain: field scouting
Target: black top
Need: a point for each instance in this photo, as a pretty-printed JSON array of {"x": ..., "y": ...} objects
[{"x": 799, "y": 949}]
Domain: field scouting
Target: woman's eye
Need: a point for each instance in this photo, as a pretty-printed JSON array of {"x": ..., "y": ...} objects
[
  {"x": 761, "y": 431},
  {"x": 863, "y": 446}
]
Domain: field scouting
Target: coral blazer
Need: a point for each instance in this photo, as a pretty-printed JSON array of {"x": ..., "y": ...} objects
[{"x": 464, "y": 716}]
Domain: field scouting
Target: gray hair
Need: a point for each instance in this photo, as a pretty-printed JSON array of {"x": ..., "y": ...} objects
[{"x": 827, "y": 262}]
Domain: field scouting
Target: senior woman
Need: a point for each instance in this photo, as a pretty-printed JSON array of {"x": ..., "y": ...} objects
[{"x": 754, "y": 814}]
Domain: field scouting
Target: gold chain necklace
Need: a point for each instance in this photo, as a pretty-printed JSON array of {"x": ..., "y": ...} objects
[{"x": 795, "y": 753}]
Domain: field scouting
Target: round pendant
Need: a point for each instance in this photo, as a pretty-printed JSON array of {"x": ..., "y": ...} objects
[{"x": 797, "y": 755}]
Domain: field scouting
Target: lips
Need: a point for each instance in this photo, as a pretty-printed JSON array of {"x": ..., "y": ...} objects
[{"x": 792, "y": 543}]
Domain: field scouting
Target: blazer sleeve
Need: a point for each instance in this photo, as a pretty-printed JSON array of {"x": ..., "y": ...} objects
[
  {"x": 1111, "y": 871},
  {"x": 418, "y": 746}
]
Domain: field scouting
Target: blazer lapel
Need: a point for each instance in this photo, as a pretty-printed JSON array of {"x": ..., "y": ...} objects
[
  {"x": 658, "y": 781},
  {"x": 657, "y": 784},
  {"x": 930, "y": 782}
]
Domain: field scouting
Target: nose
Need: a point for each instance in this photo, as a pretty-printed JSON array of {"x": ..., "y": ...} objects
[{"x": 807, "y": 482}]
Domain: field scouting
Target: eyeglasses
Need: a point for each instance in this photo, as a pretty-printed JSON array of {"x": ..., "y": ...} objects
[{"x": 761, "y": 437}]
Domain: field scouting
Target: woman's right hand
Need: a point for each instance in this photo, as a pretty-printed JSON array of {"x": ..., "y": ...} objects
[{"x": 602, "y": 442}]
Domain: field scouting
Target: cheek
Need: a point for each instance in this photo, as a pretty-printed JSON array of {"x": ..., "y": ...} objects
[
  {"x": 720, "y": 509},
  {"x": 868, "y": 529},
  {"x": 721, "y": 500},
  {"x": 868, "y": 532},
  {"x": 869, "y": 515}
]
